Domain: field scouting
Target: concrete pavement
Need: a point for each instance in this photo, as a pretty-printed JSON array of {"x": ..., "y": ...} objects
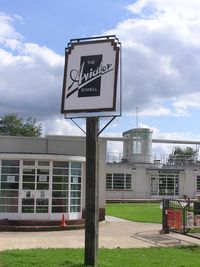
[{"x": 113, "y": 233}]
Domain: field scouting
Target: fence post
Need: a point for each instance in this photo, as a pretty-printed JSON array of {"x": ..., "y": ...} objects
[
  {"x": 165, "y": 227},
  {"x": 185, "y": 209}
]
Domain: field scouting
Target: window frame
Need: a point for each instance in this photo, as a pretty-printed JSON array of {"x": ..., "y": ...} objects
[{"x": 126, "y": 181}]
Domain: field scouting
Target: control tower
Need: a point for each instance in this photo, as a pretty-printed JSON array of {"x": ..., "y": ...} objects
[{"x": 137, "y": 145}]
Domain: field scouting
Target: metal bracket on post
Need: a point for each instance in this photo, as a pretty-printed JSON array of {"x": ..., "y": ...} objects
[
  {"x": 106, "y": 125},
  {"x": 77, "y": 125}
]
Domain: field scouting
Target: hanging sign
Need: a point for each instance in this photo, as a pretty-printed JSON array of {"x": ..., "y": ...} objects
[{"x": 91, "y": 76}]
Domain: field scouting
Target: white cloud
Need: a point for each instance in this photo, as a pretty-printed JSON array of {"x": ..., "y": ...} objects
[
  {"x": 184, "y": 102},
  {"x": 43, "y": 54},
  {"x": 161, "y": 55},
  {"x": 7, "y": 31},
  {"x": 148, "y": 111},
  {"x": 30, "y": 75},
  {"x": 180, "y": 9},
  {"x": 60, "y": 126}
]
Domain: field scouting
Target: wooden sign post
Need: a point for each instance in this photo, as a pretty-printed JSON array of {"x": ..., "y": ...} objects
[{"x": 92, "y": 207}]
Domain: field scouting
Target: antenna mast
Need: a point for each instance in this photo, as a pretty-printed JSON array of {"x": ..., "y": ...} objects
[{"x": 137, "y": 122}]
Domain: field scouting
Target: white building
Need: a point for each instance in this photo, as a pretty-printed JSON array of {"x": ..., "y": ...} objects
[
  {"x": 43, "y": 178},
  {"x": 138, "y": 176}
]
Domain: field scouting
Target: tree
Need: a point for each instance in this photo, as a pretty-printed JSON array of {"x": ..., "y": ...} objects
[
  {"x": 183, "y": 155},
  {"x": 13, "y": 125}
]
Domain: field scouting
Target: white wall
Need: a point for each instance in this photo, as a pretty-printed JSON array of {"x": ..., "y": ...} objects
[{"x": 141, "y": 181}]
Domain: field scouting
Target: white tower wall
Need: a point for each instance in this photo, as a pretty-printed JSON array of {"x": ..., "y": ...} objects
[{"x": 137, "y": 146}]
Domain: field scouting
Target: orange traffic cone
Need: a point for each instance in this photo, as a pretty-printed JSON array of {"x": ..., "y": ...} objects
[{"x": 63, "y": 224}]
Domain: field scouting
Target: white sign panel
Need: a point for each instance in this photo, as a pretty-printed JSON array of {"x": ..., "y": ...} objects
[
  {"x": 91, "y": 75},
  {"x": 190, "y": 219},
  {"x": 197, "y": 220},
  {"x": 43, "y": 178},
  {"x": 10, "y": 178}
]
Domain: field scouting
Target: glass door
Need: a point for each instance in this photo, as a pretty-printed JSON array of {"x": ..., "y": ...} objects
[{"x": 35, "y": 189}]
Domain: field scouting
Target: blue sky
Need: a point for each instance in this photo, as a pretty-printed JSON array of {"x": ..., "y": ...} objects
[
  {"x": 53, "y": 23},
  {"x": 160, "y": 60}
]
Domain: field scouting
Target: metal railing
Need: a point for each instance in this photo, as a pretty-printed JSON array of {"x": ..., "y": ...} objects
[
  {"x": 163, "y": 159},
  {"x": 113, "y": 157}
]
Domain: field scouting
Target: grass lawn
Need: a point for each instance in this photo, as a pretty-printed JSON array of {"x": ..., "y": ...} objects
[
  {"x": 142, "y": 257},
  {"x": 137, "y": 212}
]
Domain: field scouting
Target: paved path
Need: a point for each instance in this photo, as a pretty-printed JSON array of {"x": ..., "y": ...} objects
[{"x": 113, "y": 233}]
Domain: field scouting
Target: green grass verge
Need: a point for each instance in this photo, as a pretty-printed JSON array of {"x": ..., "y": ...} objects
[
  {"x": 148, "y": 257},
  {"x": 196, "y": 230},
  {"x": 136, "y": 212}
]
